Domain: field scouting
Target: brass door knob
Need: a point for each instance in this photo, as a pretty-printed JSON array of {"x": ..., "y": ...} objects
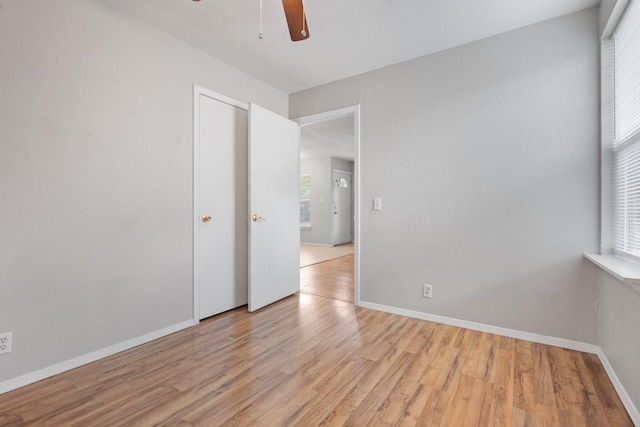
[
  {"x": 256, "y": 218},
  {"x": 206, "y": 218}
]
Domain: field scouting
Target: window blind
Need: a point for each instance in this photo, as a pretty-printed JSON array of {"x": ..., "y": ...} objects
[{"x": 626, "y": 143}]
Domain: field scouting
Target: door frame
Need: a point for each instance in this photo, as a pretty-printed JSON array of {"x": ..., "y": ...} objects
[
  {"x": 336, "y": 114},
  {"x": 197, "y": 92},
  {"x": 333, "y": 203}
]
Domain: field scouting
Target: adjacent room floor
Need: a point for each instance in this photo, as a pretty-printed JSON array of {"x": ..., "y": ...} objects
[
  {"x": 310, "y": 254},
  {"x": 327, "y": 271}
]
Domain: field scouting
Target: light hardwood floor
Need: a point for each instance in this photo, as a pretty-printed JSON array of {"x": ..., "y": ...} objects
[
  {"x": 330, "y": 279},
  {"x": 310, "y": 254},
  {"x": 308, "y": 361}
]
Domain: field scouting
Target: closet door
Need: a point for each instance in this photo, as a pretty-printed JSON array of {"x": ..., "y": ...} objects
[
  {"x": 222, "y": 203},
  {"x": 274, "y": 234}
]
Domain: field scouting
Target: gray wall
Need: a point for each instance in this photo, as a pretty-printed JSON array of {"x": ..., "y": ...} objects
[
  {"x": 96, "y": 173},
  {"x": 487, "y": 160}
]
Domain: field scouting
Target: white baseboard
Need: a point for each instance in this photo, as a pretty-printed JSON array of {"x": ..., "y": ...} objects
[
  {"x": 624, "y": 396},
  {"x": 512, "y": 333},
  {"x": 324, "y": 245},
  {"x": 67, "y": 365}
]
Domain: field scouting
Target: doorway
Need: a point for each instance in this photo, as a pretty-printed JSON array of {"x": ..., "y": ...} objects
[{"x": 329, "y": 167}]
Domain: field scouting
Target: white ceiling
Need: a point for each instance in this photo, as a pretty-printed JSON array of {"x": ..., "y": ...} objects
[
  {"x": 348, "y": 37},
  {"x": 330, "y": 138}
]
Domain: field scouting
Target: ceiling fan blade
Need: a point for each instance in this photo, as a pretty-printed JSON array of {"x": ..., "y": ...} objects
[{"x": 296, "y": 19}]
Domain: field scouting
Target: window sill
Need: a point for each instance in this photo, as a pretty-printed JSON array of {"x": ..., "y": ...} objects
[{"x": 621, "y": 268}]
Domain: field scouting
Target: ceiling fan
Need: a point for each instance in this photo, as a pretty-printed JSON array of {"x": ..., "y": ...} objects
[{"x": 296, "y": 19}]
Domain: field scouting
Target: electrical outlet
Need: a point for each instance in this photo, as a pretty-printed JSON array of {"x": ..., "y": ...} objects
[
  {"x": 427, "y": 291},
  {"x": 5, "y": 342}
]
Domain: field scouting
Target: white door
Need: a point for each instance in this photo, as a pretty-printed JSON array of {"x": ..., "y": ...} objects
[
  {"x": 342, "y": 211},
  {"x": 274, "y": 231},
  {"x": 222, "y": 217}
]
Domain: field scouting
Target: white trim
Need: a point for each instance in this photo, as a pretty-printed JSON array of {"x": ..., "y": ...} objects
[
  {"x": 327, "y": 115},
  {"x": 622, "y": 393},
  {"x": 195, "y": 252},
  {"x": 356, "y": 207},
  {"x": 336, "y": 114},
  {"x": 614, "y": 19},
  {"x": 67, "y": 365},
  {"x": 324, "y": 245},
  {"x": 219, "y": 97},
  {"x": 497, "y": 330},
  {"x": 197, "y": 92},
  {"x": 622, "y": 268}
]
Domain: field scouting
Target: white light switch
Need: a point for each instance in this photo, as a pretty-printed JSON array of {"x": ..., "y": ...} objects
[
  {"x": 321, "y": 200},
  {"x": 377, "y": 204}
]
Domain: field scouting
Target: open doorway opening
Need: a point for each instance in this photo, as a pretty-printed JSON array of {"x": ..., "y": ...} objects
[{"x": 329, "y": 194}]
